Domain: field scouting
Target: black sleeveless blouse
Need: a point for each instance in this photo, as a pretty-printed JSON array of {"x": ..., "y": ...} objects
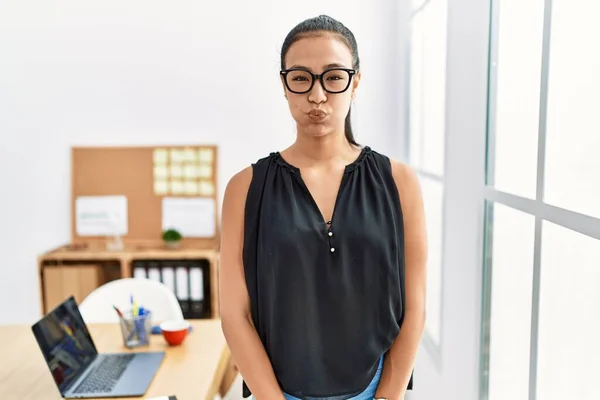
[{"x": 326, "y": 297}]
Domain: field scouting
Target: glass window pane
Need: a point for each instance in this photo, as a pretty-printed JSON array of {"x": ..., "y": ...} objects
[
  {"x": 573, "y": 127},
  {"x": 416, "y": 90},
  {"x": 569, "y": 320},
  {"x": 417, "y": 3},
  {"x": 520, "y": 33},
  {"x": 434, "y": 86},
  {"x": 510, "y": 308},
  {"x": 428, "y": 88},
  {"x": 433, "y": 198}
]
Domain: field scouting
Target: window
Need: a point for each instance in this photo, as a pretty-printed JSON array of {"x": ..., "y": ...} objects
[
  {"x": 426, "y": 140},
  {"x": 541, "y": 318}
]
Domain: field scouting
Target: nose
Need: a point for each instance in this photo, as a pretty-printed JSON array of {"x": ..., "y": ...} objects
[{"x": 317, "y": 94}]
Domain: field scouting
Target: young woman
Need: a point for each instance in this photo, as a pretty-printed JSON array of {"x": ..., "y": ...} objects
[{"x": 323, "y": 248}]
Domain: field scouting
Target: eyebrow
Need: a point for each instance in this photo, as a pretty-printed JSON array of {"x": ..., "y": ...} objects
[{"x": 332, "y": 65}]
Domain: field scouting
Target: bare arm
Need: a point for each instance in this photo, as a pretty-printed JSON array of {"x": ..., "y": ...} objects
[
  {"x": 243, "y": 341},
  {"x": 399, "y": 364}
]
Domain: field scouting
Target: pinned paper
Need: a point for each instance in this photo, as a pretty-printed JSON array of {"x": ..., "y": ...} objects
[
  {"x": 189, "y": 172},
  {"x": 177, "y": 187},
  {"x": 192, "y": 216},
  {"x": 101, "y": 215},
  {"x": 189, "y": 155},
  {"x": 191, "y": 188},
  {"x": 161, "y": 172},
  {"x": 204, "y": 171},
  {"x": 205, "y": 188},
  {"x": 161, "y": 156},
  {"x": 177, "y": 156},
  {"x": 161, "y": 187},
  {"x": 205, "y": 156},
  {"x": 176, "y": 171}
]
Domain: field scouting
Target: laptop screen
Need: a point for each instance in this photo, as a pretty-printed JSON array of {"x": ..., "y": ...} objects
[{"x": 65, "y": 342}]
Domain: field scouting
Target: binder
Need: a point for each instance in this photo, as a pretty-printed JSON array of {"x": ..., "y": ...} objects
[
  {"x": 139, "y": 270},
  {"x": 189, "y": 280},
  {"x": 154, "y": 273},
  {"x": 182, "y": 288},
  {"x": 168, "y": 277},
  {"x": 197, "y": 291}
]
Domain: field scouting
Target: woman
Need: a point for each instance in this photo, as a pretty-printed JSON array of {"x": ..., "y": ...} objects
[{"x": 322, "y": 268}]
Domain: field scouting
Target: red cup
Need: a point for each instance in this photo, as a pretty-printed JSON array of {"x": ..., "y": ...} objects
[{"x": 175, "y": 331}]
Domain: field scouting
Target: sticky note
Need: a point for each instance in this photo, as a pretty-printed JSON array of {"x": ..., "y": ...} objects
[
  {"x": 205, "y": 188},
  {"x": 176, "y": 171},
  {"x": 205, "y": 156},
  {"x": 161, "y": 156},
  {"x": 204, "y": 171},
  {"x": 161, "y": 172},
  {"x": 189, "y": 155},
  {"x": 191, "y": 188},
  {"x": 189, "y": 171},
  {"x": 177, "y": 156},
  {"x": 161, "y": 187},
  {"x": 177, "y": 187}
]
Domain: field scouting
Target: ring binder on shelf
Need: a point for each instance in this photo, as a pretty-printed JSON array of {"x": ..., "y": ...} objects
[{"x": 188, "y": 279}]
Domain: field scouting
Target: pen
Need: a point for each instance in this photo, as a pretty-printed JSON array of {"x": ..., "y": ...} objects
[{"x": 118, "y": 312}]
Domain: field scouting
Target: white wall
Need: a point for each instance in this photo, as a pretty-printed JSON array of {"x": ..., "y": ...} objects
[{"x": 153, "y": 72}]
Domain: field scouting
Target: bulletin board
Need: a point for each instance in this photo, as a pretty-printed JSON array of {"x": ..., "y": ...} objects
[{"x": 154, "y": 181}]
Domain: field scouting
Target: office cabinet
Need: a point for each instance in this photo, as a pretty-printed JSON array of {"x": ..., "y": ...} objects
[{"x": 192, "y": 274}]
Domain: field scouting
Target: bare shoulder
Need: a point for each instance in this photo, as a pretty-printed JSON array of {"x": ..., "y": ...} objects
[
  {"x": 239, "y": 183},
  {"x": 234, "y": 198},
  {"x": 406, "y": 180}
]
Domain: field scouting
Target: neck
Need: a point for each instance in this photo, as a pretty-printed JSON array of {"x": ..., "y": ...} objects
[{"x": 329, "y": 148}]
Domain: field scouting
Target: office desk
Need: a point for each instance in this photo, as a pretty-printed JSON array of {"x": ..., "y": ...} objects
[{"x": 191, "y": 371}]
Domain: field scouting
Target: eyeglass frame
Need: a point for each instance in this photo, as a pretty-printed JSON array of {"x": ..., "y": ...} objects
[{"x": 351, "y": 72}]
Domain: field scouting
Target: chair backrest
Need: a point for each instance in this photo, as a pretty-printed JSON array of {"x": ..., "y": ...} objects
[{"x": 97, "y": 307}]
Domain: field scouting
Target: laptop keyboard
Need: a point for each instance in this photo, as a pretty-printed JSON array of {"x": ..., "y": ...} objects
[{"x": 105, "y": 375}]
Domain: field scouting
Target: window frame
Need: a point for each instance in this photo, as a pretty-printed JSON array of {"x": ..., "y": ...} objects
[{"x": 540, "y": 210}]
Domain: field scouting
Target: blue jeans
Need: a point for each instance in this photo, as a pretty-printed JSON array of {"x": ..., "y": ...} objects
[{"x": 367, "y": 394}]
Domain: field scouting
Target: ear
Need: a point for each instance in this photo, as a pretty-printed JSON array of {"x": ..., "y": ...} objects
[
  {"x": 283, "y": 85},
  {"x": 355, "y": 83}
]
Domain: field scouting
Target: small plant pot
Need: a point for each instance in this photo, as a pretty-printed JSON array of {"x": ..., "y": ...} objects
[{"x": 172, "y": 245}]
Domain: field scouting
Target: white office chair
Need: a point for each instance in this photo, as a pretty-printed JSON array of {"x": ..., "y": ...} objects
[{"x": 97, "y": 307}]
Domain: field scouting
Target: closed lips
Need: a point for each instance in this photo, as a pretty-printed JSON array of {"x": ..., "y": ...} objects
[{"x": 317, "y": 113}]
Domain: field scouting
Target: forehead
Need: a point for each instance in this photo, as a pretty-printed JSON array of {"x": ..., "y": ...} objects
[{"x": 314, "y": 52}]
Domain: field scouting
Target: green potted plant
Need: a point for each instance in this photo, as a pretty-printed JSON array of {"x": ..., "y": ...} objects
[{"x": 171, "y": 238}]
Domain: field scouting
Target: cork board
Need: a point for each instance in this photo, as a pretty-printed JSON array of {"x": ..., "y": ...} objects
[{"x": 145, "y": 176}]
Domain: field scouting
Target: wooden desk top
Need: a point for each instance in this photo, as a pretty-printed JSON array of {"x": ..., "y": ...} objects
[{"x": 191, "y": 371}]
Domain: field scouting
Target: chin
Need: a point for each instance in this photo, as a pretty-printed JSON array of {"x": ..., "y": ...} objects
[{"x": 317, "y": 130}]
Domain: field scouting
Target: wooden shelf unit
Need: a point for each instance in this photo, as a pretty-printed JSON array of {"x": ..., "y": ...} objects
[{"x": 78, "y": 269}]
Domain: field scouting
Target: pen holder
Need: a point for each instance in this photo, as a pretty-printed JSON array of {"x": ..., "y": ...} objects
[{"x": 136, "y": 329}]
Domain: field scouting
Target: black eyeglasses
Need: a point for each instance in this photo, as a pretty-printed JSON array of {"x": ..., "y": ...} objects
[{"x": 333, "y": 80}]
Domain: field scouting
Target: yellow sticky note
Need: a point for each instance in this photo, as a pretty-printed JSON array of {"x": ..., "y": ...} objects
[
  {"x": 161, "y": 172},
  {"x": 205, "y": 188},
  {"x": 161, "y": 156},
  {"x": 189, "y": 155},
  {"x": 177, "y": 156},
  {"x": 205, "y": 156},
  {"x": 191, "y": 188},
  {"x": 189, "y": 171},
  {"x": 161, "y": 187},
  {"x": 176, "y": 171},
  {"x": 177, "y": 187},
  {"x": 204, "y": 171}
]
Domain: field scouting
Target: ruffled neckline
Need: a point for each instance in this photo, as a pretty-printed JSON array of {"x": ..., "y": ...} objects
[{"x": 353, "y": 165}]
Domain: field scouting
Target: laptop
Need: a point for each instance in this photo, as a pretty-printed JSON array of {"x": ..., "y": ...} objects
[{"x": 77, "y": 368}]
